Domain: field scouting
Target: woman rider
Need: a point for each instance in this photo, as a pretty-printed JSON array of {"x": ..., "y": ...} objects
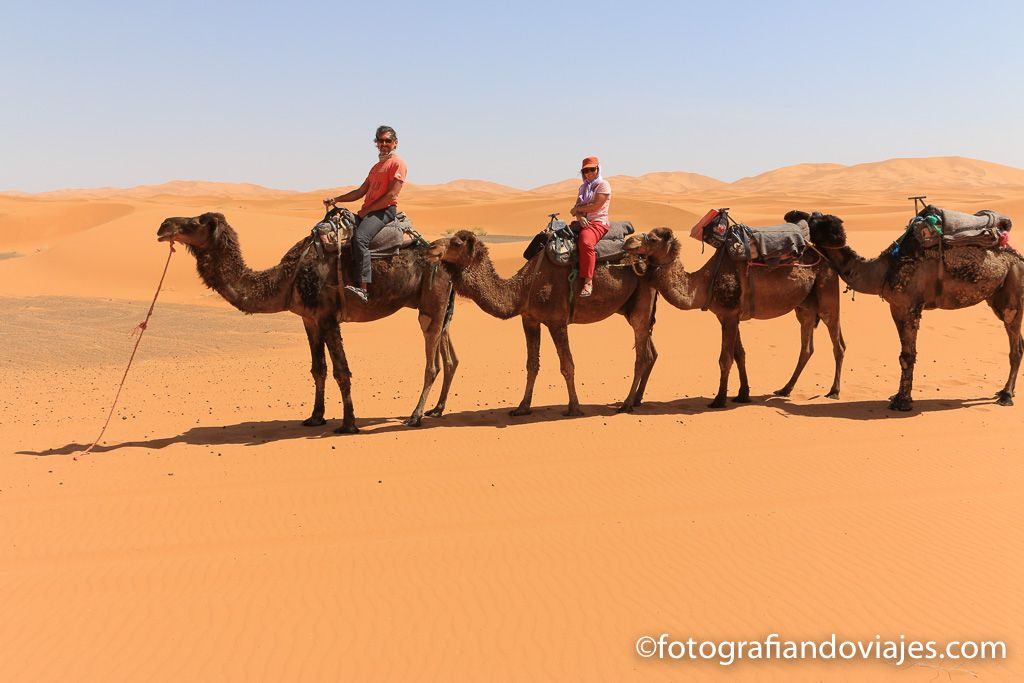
[{"x": 591, "y": 212}]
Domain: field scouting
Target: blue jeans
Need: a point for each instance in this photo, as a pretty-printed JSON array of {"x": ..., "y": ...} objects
[{"x": 366, "y": 229}]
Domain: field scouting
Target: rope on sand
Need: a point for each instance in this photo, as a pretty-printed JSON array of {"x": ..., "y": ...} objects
[{"x": 140, "y": 329}]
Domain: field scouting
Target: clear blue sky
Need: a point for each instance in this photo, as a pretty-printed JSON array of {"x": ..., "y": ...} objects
[{"x": 288, "y": 95}]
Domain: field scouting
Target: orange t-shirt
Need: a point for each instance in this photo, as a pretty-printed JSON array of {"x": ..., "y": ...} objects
[{"x": 380, "y": 177}]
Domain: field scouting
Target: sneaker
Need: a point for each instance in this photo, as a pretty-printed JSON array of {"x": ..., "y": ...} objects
[{"x": 358, "y": 291}]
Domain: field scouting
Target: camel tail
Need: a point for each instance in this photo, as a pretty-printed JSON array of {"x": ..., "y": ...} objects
[{"x": 450, "y": 310}]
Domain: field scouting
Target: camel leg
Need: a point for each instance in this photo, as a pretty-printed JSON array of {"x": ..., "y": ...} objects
[
  {"x": 807, "y": 317},
  {"x": 739, "y": 355},
  {"x": 560, "y": 336},
  {"x": 835, "y": 332},
  {"x": 343, "y": 376},
  {"x": 730, "y": 330},
  {"x": 652, "y": 353},
  {"x": 449, "y": 362},
  {"x": 431, "y": 326},
  {"x": 908, "y": 321},
  {"x": 640, "y": 321},
  {"x": 531, "y": 328},
  {"x": 318, "y": 369},
  {"x": 1010, "y": 312}
]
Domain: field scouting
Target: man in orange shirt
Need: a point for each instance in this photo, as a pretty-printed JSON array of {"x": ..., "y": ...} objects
[{"x": 380, "y": 204}]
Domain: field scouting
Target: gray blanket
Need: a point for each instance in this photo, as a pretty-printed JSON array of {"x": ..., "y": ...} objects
[
  {"x": 770, "y": 245},
  {"x": 392, "y": 237},
  {"x": 956, "y": 221}
]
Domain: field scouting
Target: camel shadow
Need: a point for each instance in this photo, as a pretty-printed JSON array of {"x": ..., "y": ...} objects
[
  {"x": 260, "y": 433},
  {"x": 241, "y": 434},
  {"x": 875, "y": 409}
]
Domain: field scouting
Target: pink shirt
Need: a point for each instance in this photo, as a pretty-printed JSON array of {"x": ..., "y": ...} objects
[
  {"x": 380, "y": 177},
  {"x": 601, "y": 215}
]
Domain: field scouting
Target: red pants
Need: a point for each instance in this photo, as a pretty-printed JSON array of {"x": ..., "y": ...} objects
[{"x": 588, "y": 238}]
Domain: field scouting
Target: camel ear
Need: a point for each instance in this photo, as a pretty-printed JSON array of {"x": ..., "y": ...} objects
[
  {"x": 796, "y": 216},
  {"x": 212, "y": 222}
]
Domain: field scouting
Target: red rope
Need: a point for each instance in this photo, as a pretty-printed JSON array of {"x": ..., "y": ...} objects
[{"x": 140, "y": 328}]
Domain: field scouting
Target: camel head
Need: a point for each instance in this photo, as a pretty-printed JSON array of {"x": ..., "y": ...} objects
[
  {"x": 198, "y": 232},
  {"x": 658, "y": 245},
  {"x": 826, "y": 230},
  {"x": 460, "y": 249}
]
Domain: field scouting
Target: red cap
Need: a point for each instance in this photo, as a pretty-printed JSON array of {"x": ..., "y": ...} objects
[{"x": 590, "y": 162}]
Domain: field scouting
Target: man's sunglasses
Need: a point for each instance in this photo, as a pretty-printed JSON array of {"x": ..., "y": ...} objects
[
  {"x": 384, "y": 141},
  {"x": 589, "y": 169}
]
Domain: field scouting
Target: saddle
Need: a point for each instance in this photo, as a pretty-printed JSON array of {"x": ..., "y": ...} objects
[
  {"x": 558, "y": 240},
  {"x": 934, "y": 227},
  {"x": 339, "y": 225},
  {"x": 776, "y": 245}
]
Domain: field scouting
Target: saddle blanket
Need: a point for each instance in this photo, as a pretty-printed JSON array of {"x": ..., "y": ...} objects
[{"x": 770, "y": 245}]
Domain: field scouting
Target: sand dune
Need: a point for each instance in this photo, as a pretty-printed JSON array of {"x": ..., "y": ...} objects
[
  {"x": 896, "y": 177},
  {"x": 211, "y": 537}
]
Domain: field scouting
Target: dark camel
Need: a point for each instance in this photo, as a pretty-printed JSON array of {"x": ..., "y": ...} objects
[
  {"x": 811, "y": 290},
  {"x": 539, "y": 293},
  {"x": 307, "y": 285},
  {"x": 910, "y": 285}
]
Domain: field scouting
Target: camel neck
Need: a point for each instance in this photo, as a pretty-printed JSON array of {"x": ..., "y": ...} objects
[
  {"x": 223, "y": 270},
  {"x": 681, "y": 289},
  {"x": 495, "y": 295},
  {"x": 866, "y": 276}
]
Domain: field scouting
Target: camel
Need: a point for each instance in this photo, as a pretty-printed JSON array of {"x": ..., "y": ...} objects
[
  {"x": 811, "y": 289},
  {"x": 307, "y": 285},
  {"x": 540, "y": 294},
  {"x": 909, "y": 284}
]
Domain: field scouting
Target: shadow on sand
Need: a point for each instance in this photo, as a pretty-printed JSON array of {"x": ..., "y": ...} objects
[{"x": 258, "y": 433}]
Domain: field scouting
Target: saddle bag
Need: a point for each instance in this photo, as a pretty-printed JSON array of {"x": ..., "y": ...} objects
[
  {"x": 561, "y": 244},
  {"x": 326, "y": 232},
  {"x": 712, "y": 229}
]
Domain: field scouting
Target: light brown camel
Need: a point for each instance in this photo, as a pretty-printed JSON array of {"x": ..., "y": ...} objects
[
  {"x": 909, "y": 285},
  {"x": 307, "y": 285},
  {"x": 539, "y": 292},
  {"x": 811, "y": 289}
]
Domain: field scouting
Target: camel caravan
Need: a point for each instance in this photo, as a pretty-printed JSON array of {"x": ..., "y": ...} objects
[
  {"x": 355, "y": 268},
  {"x": 945, "y": 259}
]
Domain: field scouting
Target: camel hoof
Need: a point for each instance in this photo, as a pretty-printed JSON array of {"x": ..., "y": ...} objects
[
  {"x": 413, "y": 421},
  {"x": 435, "y": 412},
  {"x": 519, "y": 412},
  {"x": 314, "y": 422},
  {"x": 717, "y": 403},
  {"x": 901, "y": 404},
  {"x": 573, "y": 412},
  {"x": 1005, "y": 399},
  {"x": 625, "y": 408},
  {"x": 347, "y": 429},
  {"x": 782, "y": 392},
  {"x": 832, "y": 394},
  {"x": 742, "y": 399}
]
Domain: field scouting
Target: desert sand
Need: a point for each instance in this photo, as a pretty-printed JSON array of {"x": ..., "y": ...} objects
[{"x": 212, "y": 537}]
